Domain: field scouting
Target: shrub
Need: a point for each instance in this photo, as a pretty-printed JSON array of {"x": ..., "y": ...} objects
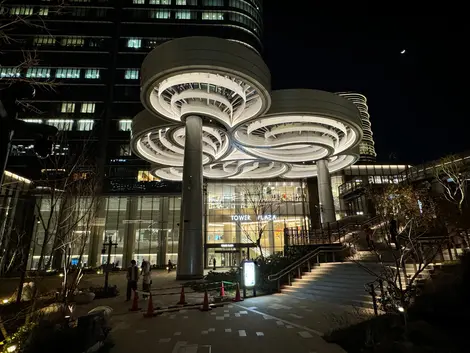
[{"x": 100, "y": 293}]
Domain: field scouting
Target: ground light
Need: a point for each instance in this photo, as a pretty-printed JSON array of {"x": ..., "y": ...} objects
[{"x": 11, "y": 348}]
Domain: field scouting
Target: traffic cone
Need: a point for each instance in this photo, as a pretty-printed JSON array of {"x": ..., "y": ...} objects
[
  {"x": 222, "y": 289},
  {"x": 205, "y": 304},
  {"x": 238, "y": 297},
  {"x": 135, "y": 303},
  {"x": 150, "y": 308},
  {"x": 182, "y": 297}
]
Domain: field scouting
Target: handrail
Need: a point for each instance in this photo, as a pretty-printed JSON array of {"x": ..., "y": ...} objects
[{"x": 302, "y": 260}]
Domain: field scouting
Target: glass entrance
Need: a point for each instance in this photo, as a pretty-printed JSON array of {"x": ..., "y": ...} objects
[{"x": 223, "y": 258}]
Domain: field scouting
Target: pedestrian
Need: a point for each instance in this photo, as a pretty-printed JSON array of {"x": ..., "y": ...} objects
[
  {"x": 169, "y": 266},
  {"x": 132, "y": 278},
  {"x": 146, "y": 278},
  {"x": 214, "y": 262}
]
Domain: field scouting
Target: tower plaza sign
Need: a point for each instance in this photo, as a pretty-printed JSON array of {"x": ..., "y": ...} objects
[{"x": 248, "y": 218}]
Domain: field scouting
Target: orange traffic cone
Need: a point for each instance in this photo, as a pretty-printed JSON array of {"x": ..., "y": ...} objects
[
  {"x": 182, "y": 297},
  {"x": 238, "y": 297},
  {"x": 135, "y": 302},
  {"x": 205, "y": 304},
  {"x": 150, "y": 308},
  {"x": 222, "y": 289}
]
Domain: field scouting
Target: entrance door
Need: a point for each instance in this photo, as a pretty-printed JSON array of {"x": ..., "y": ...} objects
[{"x": 224, "y": 258}]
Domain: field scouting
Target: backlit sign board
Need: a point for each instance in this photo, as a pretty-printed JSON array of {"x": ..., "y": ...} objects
[
  {"x": 249, "y": 274},
  {"x": 248, "y": 218}
]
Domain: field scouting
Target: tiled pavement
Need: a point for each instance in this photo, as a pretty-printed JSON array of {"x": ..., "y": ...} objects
[
  {"x": 226, "y": 329},
  {"x": 278, "y": 323}
]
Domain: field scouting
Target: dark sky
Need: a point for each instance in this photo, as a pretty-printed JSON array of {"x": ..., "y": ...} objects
[{"x": 416, "y": 100}]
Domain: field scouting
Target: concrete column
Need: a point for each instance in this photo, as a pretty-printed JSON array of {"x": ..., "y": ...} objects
[
  {"x": 313, "y": 203},
  {"x": 164, "y": 208},
  {"x": 190, "y": 249},
  {"x": 129, "y": 231},
  {"x": 96, "y": 236},
  {"x": 327, "y": 207}
]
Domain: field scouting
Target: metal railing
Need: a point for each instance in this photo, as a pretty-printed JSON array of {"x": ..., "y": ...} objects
[
  {"x": 301, "y": 263},
  {"x": 329, "y": 233}
]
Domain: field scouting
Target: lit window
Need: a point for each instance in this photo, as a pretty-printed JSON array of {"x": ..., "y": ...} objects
[
  {"x": 213, "y": 2},
  {"x": 180, "y": 2},
  {"x": 125, "y": 150},
  {"x": 138, "y": 2},
  {"x": 10, "y": 72},
  {"x": 213, "y": 15},
  {"x": 131, "y": 74},
  {"x": 85, "y": 125},
  {"x": 44, "y": 40},
  {"x": 38, "y": 72},
  {"x": 33, "y": 121},
  {"x": 160, "y": 2},
  {"x": 61, "y": 124},
  {"x": 43, "y": 11},
  {"x": 185, "y": 15},
  {"x": 73, "y": 42},
  {"x": 67, "y": 73},
  {"x": 87, "y": 108},
  {"x": 134, "y": 43},
  {"x": 67, "y": 108},
  {"x": 125, "y": 125},
  {"x": 159, "y": 14},
  {"x": 21, "y": 11},
  {"x": 92, "y": 74},
  {"x": 144, "y": 175}
]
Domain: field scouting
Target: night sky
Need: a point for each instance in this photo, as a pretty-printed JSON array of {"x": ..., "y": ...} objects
[{"x": 416, "y": 100}]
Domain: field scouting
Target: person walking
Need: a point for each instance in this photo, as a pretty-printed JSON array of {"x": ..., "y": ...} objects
[
  {"x": 132, "y": 278},
  {"x": 169, "y": 266},
  {"x": 146, "y": 278},
  {"x": 214, "y": 262}
]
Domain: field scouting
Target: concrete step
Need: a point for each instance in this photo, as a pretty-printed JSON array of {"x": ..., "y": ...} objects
[
  {"x": 347, "y": 291},
  {"x": 339, "y": 301}
]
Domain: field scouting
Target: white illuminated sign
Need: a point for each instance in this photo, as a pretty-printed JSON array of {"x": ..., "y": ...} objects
[
  {"x": 227, "y": 245},
  {"x": 247, "y": 217},
  {"x": 249, "y": 277}
]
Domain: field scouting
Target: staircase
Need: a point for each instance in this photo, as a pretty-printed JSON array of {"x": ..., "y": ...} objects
[{"x": 342, "y": 283}]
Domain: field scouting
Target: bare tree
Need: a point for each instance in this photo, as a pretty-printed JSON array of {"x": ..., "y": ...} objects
[
  {"x": 453, "y": 179},
  {"x": 260, "y": 209},
  {"x": 408, "y": 233}
]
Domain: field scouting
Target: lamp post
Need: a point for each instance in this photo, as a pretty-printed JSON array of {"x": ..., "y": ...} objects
[{"x": 107, "y": 246}]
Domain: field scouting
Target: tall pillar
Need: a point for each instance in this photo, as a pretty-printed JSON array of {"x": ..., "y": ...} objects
[
  {"x": 325, "y": 194},
  {"x": 96, "y": 234},
  {"x": 190, "y": 249},
  {"x": 163, "y": 234},
  {"x": 313, "y": 202},
  {"x": 129, "y": 231}
]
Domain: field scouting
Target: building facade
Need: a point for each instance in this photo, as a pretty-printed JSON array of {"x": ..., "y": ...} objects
[{"x": 87, "y": 56}]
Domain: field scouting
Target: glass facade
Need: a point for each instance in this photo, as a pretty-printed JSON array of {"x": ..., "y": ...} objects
[
  {"x": 147, "y": 226},
  {"x": 240, "y": 214}
]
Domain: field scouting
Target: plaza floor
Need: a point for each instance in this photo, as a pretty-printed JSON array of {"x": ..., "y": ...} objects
[{"x": 277, "y": 323}]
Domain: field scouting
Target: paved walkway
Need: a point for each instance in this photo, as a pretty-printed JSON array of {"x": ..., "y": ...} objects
[{"x": 278, "y": 323}]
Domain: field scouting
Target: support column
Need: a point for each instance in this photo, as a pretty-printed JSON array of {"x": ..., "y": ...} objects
[
  {"x": 129, "y": 231},
  {"x": 96, "y": 234},
  {"x": 325, "y": 194},
  {"x": 163, "y": 234},
  {"x": 190, "y": 249},
  {"x": 313, "y": 202}
]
